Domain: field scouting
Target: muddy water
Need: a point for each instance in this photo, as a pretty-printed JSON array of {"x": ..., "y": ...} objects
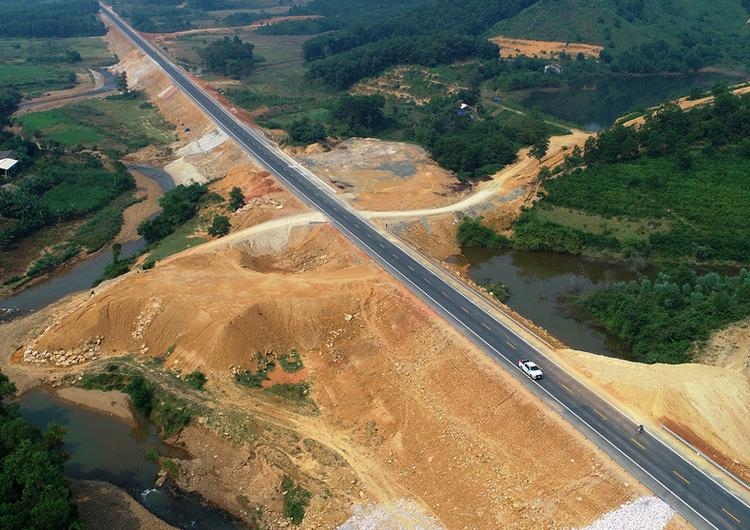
[
  {"x": 110, "y": 85},
  {"x": 102, "y": 448},
  {"x": 70, "y": 280},
  {"x": 538, "y": 280},
  {"x": 155, "y": 173}
]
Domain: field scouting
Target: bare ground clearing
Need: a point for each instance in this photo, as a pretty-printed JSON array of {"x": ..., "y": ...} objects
[
  {"x": 510, "y": 47},
  {"x": 406, "y": 408}
]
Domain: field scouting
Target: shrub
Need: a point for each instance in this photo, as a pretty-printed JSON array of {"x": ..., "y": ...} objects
[
  {"x": 220, "y": 226},
  {"x": 196, "y": 379},
  {"x": 291, "y": 363},
  {"x": 141, "y": 393},
  {"x": 295, "y": 501},
  {"x": 171, "y": 415},
  {"x": 151, "y": 454}
]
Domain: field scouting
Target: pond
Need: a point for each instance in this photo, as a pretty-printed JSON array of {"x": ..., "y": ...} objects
[
  {"x": 538, "y": 280},
  {"x": 103, "y": 448},
  {"x": 596, "y": 102}
]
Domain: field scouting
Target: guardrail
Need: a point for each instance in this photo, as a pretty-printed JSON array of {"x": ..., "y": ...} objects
[{"x": 704, "y": 455}]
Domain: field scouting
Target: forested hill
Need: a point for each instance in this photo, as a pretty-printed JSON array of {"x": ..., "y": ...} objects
[
  {"x": 641, "y": 36},
  {"x": 444, "y": 32},
  {"x": 50, "y": 18}
]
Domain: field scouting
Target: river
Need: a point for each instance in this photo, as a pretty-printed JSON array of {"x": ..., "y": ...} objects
[
  {"x": 103, "y": 448},
  {"x": 80, "y": 276},
  {"x": 110, "y": 85}
]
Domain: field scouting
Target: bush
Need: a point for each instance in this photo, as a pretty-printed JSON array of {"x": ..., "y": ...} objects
[
  {"x": 151, "y": 454},
  {"x": 220, "y": 226},
  {"x": 295, "y": 501},
  {"x": 141, "y": 393},
  {"x": 172, "y": 468},
  {"x": 171, "y": 415},
  {"x": 497, "y": 289},
  {"x": 148, "y": 264},
  {"x": 196, "y": 379},
  {"x": 472, "y": 233},
  {"x": 291, "y": 363}
]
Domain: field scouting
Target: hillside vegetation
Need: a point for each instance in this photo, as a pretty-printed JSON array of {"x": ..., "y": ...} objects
[{"x": 640, "y": 36}]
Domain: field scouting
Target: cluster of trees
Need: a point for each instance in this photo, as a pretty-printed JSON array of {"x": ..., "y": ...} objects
[
  {"x": 305, "y": 132},
  {"x": 663, "y": 320},
  {"x": 688, "y": 169},
  {"x": 338, "y": 15},
  {"x": 660, "y": 56},
  {"x": 469, "y": 146},
  {"x": 9, "y": 98},
  {"x": 343, "y": 70},
  {"x": 34, "y": 492},
  {"x": 229, "y": 57},
  {"x": 56, "y": 19},
  {"x": 360, "y": 113},
  {"x": 178, "y": 205},
  {"x": 61, "y": 191},
  {"x": 446, "y": 32}
]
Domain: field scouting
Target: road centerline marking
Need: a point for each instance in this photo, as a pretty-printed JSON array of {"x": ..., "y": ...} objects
[
  {"x": 730, "y": 515},
  {"x": 486, "y": 326},
  {"x": 410, "y": 267},
  {"x": 381, "y": 244},
  {"x": 428, "y": 281},
  {"x": 509, "y": 344},
  {"x": 462, "y": 307},
  {"x": 639, "y": 445},
  {"x": 600, "y": 414},
  {"x": 445, "y": 294},
  {"x": 395, "y": 256},
  {"x": 566, "y": 388},
  {"x": 676, "y": 473}
]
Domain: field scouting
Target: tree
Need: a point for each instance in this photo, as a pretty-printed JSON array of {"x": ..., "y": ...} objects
[
  {"x": 121, "y": 80},
  {"x": 236, "y": 199},
  {"x": 220, "y": 226},
  {"x": 33, "y": 490},
  {"x": 230, "y": 57},
  {"x": 116, "y": 250},
  {"x": 539, "y": 149}
]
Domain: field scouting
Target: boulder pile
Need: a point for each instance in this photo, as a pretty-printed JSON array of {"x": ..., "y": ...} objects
[{"x": 88, "y": 352}]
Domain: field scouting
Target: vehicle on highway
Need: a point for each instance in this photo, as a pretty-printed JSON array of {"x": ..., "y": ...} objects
[{"x": 530, "y": 369}]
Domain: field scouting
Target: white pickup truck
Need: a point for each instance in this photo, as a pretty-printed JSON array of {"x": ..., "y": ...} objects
[{"x": 530, "y": 369}]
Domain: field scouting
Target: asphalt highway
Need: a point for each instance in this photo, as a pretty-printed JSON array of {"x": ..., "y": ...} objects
[{"x": 702, "y": 499}]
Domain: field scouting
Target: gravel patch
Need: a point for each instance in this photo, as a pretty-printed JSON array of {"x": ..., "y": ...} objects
[
  {"x": 402, "y": 514},
  {"x": 647, "y": 513}
]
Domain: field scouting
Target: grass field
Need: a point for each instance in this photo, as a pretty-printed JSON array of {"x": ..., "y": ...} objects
[
  {"x": 26, "y": 77},
  {"x": 595, "y": 224},
  {"x": 182, "y": 239},
  {"x": 57, "y": 125},
  {"x": 93, "y": 50},
  {"x": 282, "y": 73},
  {"x": 118, "y": 124}
]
